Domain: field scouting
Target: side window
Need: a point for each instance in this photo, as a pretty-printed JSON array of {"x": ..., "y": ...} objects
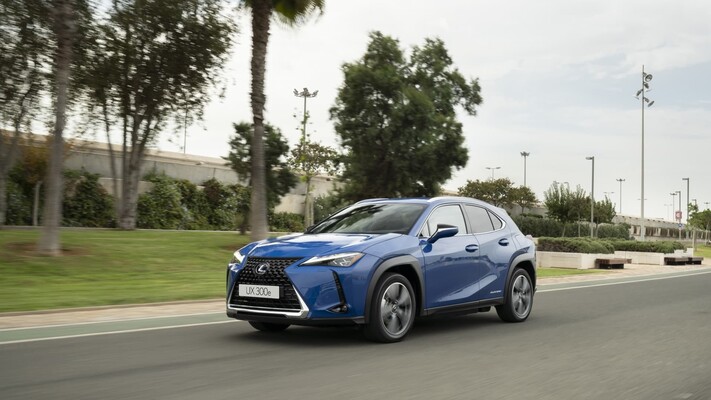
[
  {"x": 446, "y": 215},
  {"x": 480, "y": 220},
  {"x": 496, "y": 221}
]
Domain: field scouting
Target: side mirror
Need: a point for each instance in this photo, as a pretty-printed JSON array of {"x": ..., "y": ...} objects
[{"x": 443, "y": 231}]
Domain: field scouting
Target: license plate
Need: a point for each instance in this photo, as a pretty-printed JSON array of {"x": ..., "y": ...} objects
[{"x": 260, "y": 291}]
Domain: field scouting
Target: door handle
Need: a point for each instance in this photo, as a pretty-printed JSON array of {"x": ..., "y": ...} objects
[
  {"x": 472, "y": 248},
  {"x": 504, "y": 242}
]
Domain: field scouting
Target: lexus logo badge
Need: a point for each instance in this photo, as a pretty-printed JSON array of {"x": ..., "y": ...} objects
[{"x": 261, "y": 269}]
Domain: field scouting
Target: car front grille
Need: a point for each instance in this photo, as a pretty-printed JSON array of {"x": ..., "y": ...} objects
[{"x": 274, "y": 276}]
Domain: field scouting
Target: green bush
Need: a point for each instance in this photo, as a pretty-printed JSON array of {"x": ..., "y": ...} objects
[
  {"x": 647, "y": 246},
  {"x": 86, "y": 202},
  {"x": 161, "y": 208},
  {"x": 19, "y": 206},
  {"x": 286, "y": 222},
  {"x": 575, "y": 245},
  {"x": 616, "y": 231}
]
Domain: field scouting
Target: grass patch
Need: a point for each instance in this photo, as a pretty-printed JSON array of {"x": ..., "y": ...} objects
[
  {"x": 105, "y": 267},
  {"x": 553, "y": 272},
  {"x": 703, "y": 251}
]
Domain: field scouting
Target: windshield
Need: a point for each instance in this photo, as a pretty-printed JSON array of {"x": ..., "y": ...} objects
[{"x": 372, "y": 218}]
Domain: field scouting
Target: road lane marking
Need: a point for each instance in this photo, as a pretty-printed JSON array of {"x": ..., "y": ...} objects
[
  {"x": 175, "y": 326},
  {"x": 108, "y": 321},
  {"x": 156, "y": 328}
]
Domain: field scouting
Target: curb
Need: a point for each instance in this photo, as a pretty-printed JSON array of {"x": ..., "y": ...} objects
[{"x": 107, "y": 307}]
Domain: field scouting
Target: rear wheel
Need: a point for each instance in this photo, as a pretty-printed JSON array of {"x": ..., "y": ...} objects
[
  {"x": 519, "y": 298},
  {"x": 268, "y": 326},
  {"x": 392, "y": 310}
]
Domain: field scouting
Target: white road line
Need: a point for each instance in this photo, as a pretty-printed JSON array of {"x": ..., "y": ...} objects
[
  {"x": 623, "y": 282},
  {"x": 108, "y": 321},
  {"x": 114, "y": 332},
  {"x": 231, "y": 321}
]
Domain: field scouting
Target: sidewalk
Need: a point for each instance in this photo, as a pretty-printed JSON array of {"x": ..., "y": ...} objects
[{"x": 161, "y": 310}]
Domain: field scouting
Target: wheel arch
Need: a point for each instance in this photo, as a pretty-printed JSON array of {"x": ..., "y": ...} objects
[
  {"x": 527, "y": 262},
  {"x": 407, "y": 266}
]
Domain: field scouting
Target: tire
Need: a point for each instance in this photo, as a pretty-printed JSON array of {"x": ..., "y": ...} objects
[
  {"x": 519, "y": 298},
  {"x": 268, "y": 326},
  {"x": 392, "y": 310}
]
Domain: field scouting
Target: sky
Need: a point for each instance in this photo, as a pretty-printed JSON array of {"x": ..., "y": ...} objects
[{"x": 558, "y": 80}]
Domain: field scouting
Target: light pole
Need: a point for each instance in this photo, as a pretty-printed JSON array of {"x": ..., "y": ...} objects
[
  {"x": 592, "y": 196},
  {"x": 620, "y": 180},
  {"x": 305, "y": 94},
  {"x": 492, "y": 171},
  {"x": 688, "y": 201},
  {"x": 706, "y": 203},
  {"x": 667, "y": 206},
  {"x": 525, "y": 155},
  {"x": 673, "y": 195},
  {"x": 678, "y": 192},
  {"x": 646, "y": 78}
]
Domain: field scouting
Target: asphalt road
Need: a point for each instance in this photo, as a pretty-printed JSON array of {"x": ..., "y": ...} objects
[{"x": 643, "y": 340}]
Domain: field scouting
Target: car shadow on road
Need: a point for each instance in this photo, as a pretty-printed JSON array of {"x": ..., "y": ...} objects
[{"x": 425, "y": 328}]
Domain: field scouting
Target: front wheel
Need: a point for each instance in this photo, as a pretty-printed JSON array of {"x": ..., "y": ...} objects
[
  {"x": 519, "y": 298},
  {"x": 392, "y": 310},
  {"x": 268, "y": 326}
]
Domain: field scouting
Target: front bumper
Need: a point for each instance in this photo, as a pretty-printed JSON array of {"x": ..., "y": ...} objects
[{"x": 310, "y": 295}]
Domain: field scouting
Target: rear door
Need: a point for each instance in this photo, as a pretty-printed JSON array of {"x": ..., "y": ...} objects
[{"x": 495, "y": 249}]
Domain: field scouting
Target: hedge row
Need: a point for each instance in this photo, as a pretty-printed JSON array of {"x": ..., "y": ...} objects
[
  {"x": 575, "y": 245},
  {"x": 598, "y": 246},
  {"x": 547, "y": 227},
  {"x": 649, "y": 247}
]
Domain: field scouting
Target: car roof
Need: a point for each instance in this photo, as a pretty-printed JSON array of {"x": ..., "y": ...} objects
[{"x": 427, "y": 200}]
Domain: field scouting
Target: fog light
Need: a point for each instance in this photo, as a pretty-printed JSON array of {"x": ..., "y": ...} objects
[{"x": 340, "y": 309}]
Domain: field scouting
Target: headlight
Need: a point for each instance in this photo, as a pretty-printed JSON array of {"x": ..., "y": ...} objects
[
  {"x": 237, "y": 257},
  {"x": 335, "y": 260}
]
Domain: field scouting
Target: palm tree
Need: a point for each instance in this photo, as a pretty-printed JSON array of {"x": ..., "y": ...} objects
[
  {"x": 64, "y": 29},
  {"x": 290, "y": 12}
]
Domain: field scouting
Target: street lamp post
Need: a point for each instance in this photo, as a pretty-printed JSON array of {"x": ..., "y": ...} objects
[
  {"x": 673, "y": 195},
  {"x": 492, "y": 171},
  {"x": 525, "y": 155},
  {"x": 678, "y": 192},
  {"x": 688, "y": 201},
  {"x": 305, "y": 94},
  {"x": 620, "y": 180},
  {"x": 667, "y": 206},
  {"x": 592, "y": 196},
  {"x": 646, "y": 78}
]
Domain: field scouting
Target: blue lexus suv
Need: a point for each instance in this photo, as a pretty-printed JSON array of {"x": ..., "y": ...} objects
[{"x": 381, "y": 263}]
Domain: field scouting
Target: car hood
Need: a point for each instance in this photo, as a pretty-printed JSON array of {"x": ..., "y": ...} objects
[{"x": 310, "y": 245}]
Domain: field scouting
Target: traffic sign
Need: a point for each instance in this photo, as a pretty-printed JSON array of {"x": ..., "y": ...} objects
[{"x": 681, "y": 225}]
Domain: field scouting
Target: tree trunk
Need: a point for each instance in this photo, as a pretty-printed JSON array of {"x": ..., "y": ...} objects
[
  {"x": 129, "y": 196},
  {"x": 52, "y": 217},
  {"x": 261, "y": 14},
  {"x": 308, "y": 205}
]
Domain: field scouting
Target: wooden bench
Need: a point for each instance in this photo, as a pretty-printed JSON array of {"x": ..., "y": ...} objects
[
  {"x": 695, "y": 260},
  {"x": 611, "y": 263},
  {"x": 676, "y": 260}
]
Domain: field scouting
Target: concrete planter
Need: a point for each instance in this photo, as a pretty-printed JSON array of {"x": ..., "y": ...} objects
[
  {"x": 639, "y": 257},
  {"x": 567, "y": 260}
]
